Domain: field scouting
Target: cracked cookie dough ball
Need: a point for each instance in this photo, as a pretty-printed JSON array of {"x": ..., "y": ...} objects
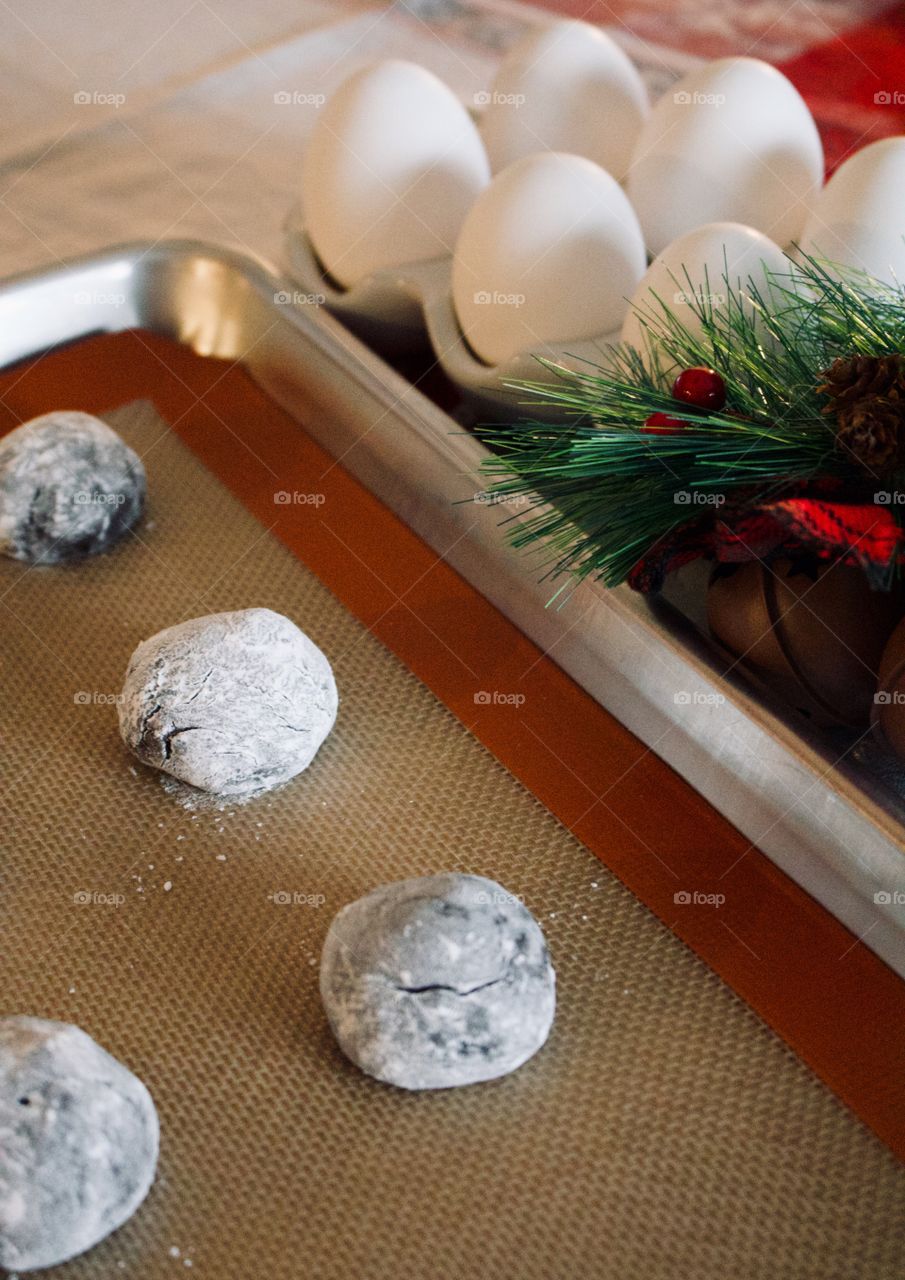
[
  {"x": 69, "y": 487},
  {"x": 438, "y": 981},
  {"x": 233, "y": 703},
  {"x": 78, "y": 1143}
]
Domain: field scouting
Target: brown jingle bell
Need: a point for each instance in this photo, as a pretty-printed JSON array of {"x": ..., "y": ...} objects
[
  {"x": 889, "y": 703},
  {"x": 813, "y": 631}
]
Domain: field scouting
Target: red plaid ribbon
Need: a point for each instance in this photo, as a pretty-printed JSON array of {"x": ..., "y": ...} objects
[{"x": 863, "y": 535}]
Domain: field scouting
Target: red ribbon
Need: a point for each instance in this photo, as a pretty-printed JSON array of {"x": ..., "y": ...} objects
[{"x": 864, "y": 535}]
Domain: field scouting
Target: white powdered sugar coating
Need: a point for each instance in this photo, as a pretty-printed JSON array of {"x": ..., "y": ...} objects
[
  {"x": 69, "y": 487},
  {"x": 232, "y": 703},
  {"x": 438, "y": 981},
  {"x": 78, "y": 1143}
]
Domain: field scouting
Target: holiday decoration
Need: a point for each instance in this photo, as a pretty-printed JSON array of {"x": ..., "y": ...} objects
[
  {"x": 814, "y": 632},
  {"x": 702, "y": 388},
  {"x": 889, "y": 700},
  {"x": 786, "y": 436},
  {"x": 868, "y": 399},
  {"x": 664, "y": 424}
]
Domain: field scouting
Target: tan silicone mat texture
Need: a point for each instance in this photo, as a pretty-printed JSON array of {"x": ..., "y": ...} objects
[{"x": 663, "y": 1132}]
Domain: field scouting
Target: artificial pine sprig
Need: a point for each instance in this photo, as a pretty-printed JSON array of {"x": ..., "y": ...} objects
[{"x": 602, "y": 490}]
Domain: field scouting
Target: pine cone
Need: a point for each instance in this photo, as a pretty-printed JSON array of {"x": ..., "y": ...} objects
[
  {"x": 851, "y": 378},
  {"x": 870, "y": 431},
  {"x": 868, "y": 398}
]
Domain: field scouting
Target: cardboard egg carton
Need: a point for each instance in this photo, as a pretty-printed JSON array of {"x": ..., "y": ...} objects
[
  {"x": 406, "y": 308},
  {"x": 411, "y": 306}
]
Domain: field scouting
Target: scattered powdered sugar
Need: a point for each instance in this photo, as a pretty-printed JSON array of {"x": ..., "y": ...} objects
[{"x": 195, "y": 801}]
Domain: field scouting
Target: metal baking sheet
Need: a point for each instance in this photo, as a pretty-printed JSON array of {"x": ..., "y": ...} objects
[
  {"x": 651, "y": 1138},
  {"x": 831, "y": 825}
]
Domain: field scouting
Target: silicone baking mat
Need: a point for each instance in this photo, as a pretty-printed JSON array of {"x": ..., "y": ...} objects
[{"x": 664, "y": 1130}]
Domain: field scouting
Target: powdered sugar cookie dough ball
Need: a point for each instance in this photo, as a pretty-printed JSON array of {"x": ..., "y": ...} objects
[
  {"x": 78, "y": 1143},
  {"x": 438, "y": 981},
  {"x": 69, "y": 487},
  {"x": 232, "y": 703}
]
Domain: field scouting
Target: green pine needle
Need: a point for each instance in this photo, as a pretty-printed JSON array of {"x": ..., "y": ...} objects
[{"x": 597, "y": 493}]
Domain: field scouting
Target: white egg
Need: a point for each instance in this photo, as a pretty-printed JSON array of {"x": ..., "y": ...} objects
[
  {"x": 392, "y": 166},
  {"x": 549, "y": 253},
  {"x": 732, "y": 142},
  {"x": 696, "y": 271},
  {"x": 859, "y": 217},
  {"x": 565, "y": 87}
]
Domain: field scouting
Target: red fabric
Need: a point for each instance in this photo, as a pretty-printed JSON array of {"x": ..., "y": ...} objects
[
  {"x": 855, "y": 84},
  {"x": 862, "y": 535}
]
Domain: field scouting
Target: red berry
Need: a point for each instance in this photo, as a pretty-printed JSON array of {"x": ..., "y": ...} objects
[
  {"x": 703, "y": 388},
  {"x": 664, "y": 424}
]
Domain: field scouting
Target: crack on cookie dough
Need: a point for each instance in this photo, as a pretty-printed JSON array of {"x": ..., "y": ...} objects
[
  {"x": 441, "y": 986},
  {"x": 166, "y": 738},
  {"x": 427, "y": 985},
  {"x": 147, "y": 717},
  {"x": 204, "y": 679}
]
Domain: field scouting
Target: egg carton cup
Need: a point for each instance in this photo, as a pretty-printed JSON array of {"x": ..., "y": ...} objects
[
  {"x": 410, "y": 308},
  {"x": 732, "y": 144}
]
